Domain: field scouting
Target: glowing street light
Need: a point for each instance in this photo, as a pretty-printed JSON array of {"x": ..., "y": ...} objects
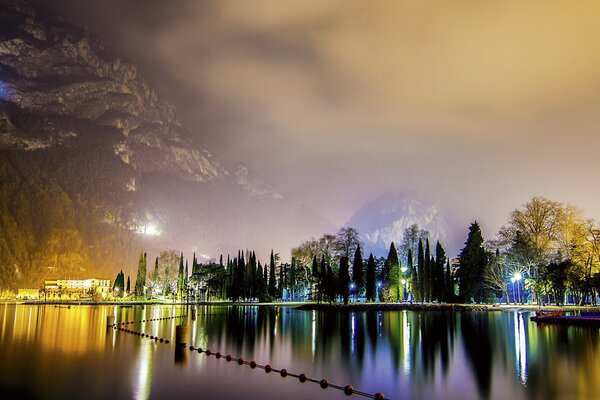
[{"x": 516, "y": 278}]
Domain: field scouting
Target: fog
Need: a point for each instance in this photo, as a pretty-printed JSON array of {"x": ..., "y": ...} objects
[{"x": 476, "y": 105}]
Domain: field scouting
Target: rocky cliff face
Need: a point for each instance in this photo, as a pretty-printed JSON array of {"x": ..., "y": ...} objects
[
  {"x": 80, "y": 119},
  {"x": 384, "y": 220}
]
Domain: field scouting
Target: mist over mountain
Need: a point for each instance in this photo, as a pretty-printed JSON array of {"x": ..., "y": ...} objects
[
  {"x": 383, "y": 220},
  {"x": 91, "y": 158}
]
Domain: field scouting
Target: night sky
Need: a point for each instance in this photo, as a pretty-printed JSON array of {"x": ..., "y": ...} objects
[{"x": 476, "y": 105}]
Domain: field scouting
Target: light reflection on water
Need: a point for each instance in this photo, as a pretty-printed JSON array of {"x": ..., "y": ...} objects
[{"x": 48, "y": 352}]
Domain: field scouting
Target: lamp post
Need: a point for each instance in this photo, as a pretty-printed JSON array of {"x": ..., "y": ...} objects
[
  {"x": 352, "y": 287},
  {"x": 513, "y": 280},
  {"x": 377, "y": 291}
]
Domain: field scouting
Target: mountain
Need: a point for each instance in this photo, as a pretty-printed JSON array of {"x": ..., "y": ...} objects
[
  {"x": 384, "y": 220},
  {"x": 95, "y": 166}
]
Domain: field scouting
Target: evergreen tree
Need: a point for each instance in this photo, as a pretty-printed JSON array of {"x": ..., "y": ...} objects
[
  {"x": 473, "y": 259},
  {"x": 186, "y": 278},
  {"x": 140, "y": 281},
  {"x": 119, "y": 285},
  {"x": 420, "y": 273},
  {"x": 261, "y": 286},
  {"x": 370, "y": 281},
  {"x": 414, "y": 282},
  {"x": 281, "y": 281},
  {"x": 344, "y": 279},
  {"x": 391, "y": 276},
  {"x": 358, "y": 272},
  {"x": 427, "y": 273},
  {"x": 128, "y": 290},
  {"x": 180, "y": 280},
  {"x": 272, "y": 284},
  {"x": 439, "y": 281}
]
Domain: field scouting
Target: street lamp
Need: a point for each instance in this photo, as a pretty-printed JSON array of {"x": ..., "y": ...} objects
[
  {"x": 377, "y": 291},
  {"x": 516, "y": 278}
]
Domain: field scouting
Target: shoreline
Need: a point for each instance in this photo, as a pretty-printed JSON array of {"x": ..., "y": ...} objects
[{"x": 334, "y": 307}]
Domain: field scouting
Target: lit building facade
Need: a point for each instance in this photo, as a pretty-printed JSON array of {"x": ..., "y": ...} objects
[
  {"x": 71, "y": 289},
  {"x": 28, "y": 294}
]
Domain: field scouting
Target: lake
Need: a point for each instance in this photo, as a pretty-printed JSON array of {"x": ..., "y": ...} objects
[{"x": 55, "y": 352}]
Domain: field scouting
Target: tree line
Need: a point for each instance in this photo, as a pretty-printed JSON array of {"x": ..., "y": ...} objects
[{"x": 547, "y": 252}]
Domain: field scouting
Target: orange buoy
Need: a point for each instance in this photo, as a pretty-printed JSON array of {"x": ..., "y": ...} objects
[
  {"x": 252, "y": 364},
  {"x": 240, "y": 361},
  {"x": 218, "y": 355},
  {"x": 302, "y": 378},
  {"x": 324, "y": 383},
  {"x": 283, "y": 373},
  {"x": 228, "y": 357},
  {"x": 348, "y": 390},
  {"x": 267, "y": 368},
  {"x": 379, "y": 396}
]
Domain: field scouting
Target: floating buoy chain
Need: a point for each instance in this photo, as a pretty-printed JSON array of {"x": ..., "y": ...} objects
[
  {"x": 324, "y": 383},
  {"x": 152, "y": 319},
  {"x": 143, "y": 334}
]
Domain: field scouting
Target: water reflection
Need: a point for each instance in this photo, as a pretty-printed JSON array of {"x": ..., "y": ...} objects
[{"x": 416, "y": 355}]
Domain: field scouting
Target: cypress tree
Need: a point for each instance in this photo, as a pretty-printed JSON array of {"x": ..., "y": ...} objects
[
  {"x": 449, "y": 284},
  {"x": 272, "y": 284},
  {"x": 358, "y": 272},
  {"x": 281, "y": 281},
  {"x": 440, "y": 261},
  {"x": 260, "y": 285},
  {"x": 140, "y": 281},
  {"x": 420, "y": 272},
  {"x": 180, "y": 278},
  {"x": 391, "y": 276},
  {"x": 414, "y": 282},
  {"x": 427, "y": 273},
  {"x": 370, "y": 281},
  {"x": 128, "y": 285},
  {"x": 344, "y": 280}
]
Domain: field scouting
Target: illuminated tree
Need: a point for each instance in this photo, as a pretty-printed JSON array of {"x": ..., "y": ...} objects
[
  {"x": 140, "y": 282},
  {"x": 391, "y": 276}
]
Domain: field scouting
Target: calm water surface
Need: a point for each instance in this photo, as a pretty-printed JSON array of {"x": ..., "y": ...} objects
[{"x": 49, "y": 352}]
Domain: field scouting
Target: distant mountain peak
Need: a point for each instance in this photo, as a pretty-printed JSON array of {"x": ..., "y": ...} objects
[{"x": 384, "y": 219}]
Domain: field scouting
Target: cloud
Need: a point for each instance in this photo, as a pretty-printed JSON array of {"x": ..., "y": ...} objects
[{"x": 491, "y": 101}]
